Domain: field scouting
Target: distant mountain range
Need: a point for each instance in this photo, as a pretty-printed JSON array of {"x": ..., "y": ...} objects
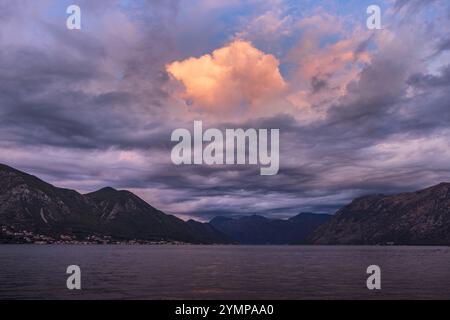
[
  {"x": 260, "y": 230},
  {"x": 32, "y": 209}
]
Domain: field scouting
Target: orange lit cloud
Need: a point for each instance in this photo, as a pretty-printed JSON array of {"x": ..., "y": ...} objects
[
  {"x": 235, "y": 75},
  {"x": 324, "y": 69},
  {"x": 323, "y": 74},
  {"x": 316, "y": 62}
]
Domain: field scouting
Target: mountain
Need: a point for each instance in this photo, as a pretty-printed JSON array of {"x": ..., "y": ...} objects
[
  {"x": 416, "y": 218},
  {"x": 206, "y": 233},
  {"x": 123, "y": 214},
  {"x": 33, "y": 206},
  {"x": 260, "y": 230},
  {"x": 28, "y": 203}
]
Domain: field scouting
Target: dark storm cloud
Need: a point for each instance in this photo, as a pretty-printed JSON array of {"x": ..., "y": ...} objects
[
  {"x": 444, "y": 45},
  {"x": 318, "y": 84},
  {"x": 42, "y": 102},
  {"x": 427, "y": 80}
]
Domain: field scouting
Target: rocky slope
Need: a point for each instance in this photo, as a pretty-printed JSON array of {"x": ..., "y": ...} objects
[
  {"x": 125, "y": 215},
  {"x": 28, "y": 202},
  {"x": 416, "y": 218}
]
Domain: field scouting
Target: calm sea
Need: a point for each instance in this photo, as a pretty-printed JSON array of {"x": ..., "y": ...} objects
[{"x": 223, "y": 272}]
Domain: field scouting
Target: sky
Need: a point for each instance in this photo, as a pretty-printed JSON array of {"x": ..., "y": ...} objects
[{"x": 359, "y": 111}]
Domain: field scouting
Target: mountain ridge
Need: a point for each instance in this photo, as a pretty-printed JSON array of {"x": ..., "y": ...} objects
[
  {"x": 36, "y": 207},
  {"x": 257, "y": 229},
  {"x": 29, "y": 203},
  {"x": 411, "y": 218}
]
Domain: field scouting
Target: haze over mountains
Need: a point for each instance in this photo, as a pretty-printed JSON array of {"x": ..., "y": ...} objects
[{"x": 28, "y": 203}]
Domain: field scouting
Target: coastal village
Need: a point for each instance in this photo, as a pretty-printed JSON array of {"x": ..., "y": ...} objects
[{"x": 9, "y": 235}]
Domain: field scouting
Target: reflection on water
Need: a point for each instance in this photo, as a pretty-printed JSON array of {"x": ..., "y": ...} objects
[{"x": 223, "y": 272}]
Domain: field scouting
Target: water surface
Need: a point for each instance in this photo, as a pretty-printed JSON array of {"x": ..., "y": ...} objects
[{"x": 223, "y": 272}]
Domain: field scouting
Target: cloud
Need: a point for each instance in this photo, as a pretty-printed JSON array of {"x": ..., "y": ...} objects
[
  {"x": 424, "y": 81},
  {"x": 412, "y": 5},
  {"x": 101, "y": 103},
  {"x": 269, "y": 29},
  {"x": 231, "y": 77},
  {"x": 325, "y": 60}
]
